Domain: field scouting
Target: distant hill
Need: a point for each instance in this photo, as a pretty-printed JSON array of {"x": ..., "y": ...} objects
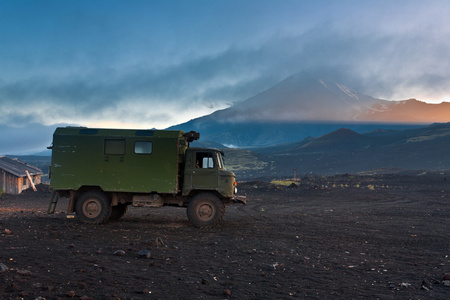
[
  {"x": 345, "y": 151},
  {"x": 304, "y": 105},
  {"x": 47, "y": 152}
]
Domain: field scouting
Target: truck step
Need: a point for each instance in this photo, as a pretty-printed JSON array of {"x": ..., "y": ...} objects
[
  {"x": 152, "y": 200},
  {"x": 53, "y": 202}
]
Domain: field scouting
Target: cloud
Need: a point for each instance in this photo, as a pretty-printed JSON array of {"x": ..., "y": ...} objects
[
  {"x": 382, "y": 66},
  {"x": 26, "y": 140},
  {"x": 151, "y": 64},
  {"x": 138, "y": 93}
]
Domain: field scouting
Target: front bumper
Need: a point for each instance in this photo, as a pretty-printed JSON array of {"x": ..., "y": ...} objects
[{"x": 240, "y": 199}]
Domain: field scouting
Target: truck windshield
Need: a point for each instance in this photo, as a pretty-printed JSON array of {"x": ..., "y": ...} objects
[{"x": 220, "y": 161}]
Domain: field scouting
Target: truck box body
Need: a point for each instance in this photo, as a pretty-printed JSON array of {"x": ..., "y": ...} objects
[{"x": 117, "y": 160}]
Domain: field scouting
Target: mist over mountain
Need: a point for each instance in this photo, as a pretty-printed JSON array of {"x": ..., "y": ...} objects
[
  {"x": 304, "y": 105},
  {"x": 305, "y": 97},
  {"x": 302, "y": 97}
]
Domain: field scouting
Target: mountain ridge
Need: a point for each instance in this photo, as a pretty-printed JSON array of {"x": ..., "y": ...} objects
[{"x": 305, "y": 105}]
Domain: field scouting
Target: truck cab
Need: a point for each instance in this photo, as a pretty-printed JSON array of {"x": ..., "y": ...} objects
[{"x": 205, "y": 171}]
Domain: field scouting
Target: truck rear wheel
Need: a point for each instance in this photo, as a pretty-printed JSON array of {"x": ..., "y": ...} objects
[
  {"x": 205, "y": 210},
  {"x": 93, "y": 207}
]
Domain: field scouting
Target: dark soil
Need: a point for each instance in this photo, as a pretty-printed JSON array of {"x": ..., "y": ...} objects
[{"x": 341, "y": 237}]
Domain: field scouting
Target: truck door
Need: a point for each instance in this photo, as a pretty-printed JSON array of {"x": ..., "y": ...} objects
[{"x": 204, "y": 173}]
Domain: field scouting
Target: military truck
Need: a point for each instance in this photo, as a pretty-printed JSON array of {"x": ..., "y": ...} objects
[{"x": 103, "y": 171}]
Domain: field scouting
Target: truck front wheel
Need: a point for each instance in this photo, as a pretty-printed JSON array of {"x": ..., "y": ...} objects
[
  {"x": 205, "y": 210},
  {"x": 93, "y": 207}
]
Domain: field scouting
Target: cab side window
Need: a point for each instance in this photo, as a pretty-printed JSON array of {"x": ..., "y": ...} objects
[{"x": 204, "y": 160}]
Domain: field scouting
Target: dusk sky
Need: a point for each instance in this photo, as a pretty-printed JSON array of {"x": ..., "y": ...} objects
[{"x": 153, "y": 64}]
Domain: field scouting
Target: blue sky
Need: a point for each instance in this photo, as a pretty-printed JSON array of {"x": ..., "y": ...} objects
[{"x": 153, "y": 64}]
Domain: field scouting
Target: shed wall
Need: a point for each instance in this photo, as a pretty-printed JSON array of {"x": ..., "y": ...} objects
[{"x": 12, "y": 184}]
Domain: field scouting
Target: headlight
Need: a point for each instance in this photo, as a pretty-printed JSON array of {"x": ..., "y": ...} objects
[{"x": 235, "y": 190}]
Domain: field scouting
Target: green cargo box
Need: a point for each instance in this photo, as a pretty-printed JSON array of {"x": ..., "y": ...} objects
[{"x": 117, "y": 160}]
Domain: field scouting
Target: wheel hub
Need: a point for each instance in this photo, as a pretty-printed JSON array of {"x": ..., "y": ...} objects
[
  {"x": 205, "y": 212},
  {"x": 91, "y": 209}
]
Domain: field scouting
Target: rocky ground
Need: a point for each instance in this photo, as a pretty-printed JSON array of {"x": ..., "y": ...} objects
[{"x": 347, "y": 237}]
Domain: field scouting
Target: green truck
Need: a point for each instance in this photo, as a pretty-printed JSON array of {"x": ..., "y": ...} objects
[{"x": 103, "y": 171}]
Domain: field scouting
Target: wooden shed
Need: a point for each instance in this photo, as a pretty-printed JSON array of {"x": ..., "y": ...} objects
[{"x": 16, "y": 175}]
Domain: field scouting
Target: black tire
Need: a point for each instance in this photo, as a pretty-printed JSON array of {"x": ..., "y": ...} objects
[
  {"x": 118, "y": 211},
  {"x": 205, "y": 211},
  {"x": 93, "y": 207}
]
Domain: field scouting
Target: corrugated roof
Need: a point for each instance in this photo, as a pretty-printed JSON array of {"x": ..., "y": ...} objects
[{"x": 17, "y": 167}]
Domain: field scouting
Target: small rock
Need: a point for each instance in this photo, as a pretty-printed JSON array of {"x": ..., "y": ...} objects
[
  {"x": 426, "y": 285},
  {"x": 446, "y": 276},
  {"x": 119, "y": 253},
  {"x": 227, "y": 292},
  {"x": 3, "y": 268},
  {"x": 446, "y": 282},
  {"x": 24, "y": 272},
  {"x": 159, "y": 242},
  {"x": 424, "y": 288},
  {"x": 7, "y": 231},
  {"x": 70, "y": 294},
  {"x": 405, "y": 284},
  {"x": 144, "y": 254}
]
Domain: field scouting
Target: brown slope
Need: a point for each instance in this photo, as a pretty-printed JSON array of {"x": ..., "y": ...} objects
[{"x": 407, "y": 111}]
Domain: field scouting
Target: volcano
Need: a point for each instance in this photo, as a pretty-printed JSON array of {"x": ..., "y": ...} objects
[{"x": 305, "y": 105}]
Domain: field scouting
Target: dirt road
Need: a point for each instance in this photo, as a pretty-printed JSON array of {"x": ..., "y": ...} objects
[{"x": 341, "y": 237}]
